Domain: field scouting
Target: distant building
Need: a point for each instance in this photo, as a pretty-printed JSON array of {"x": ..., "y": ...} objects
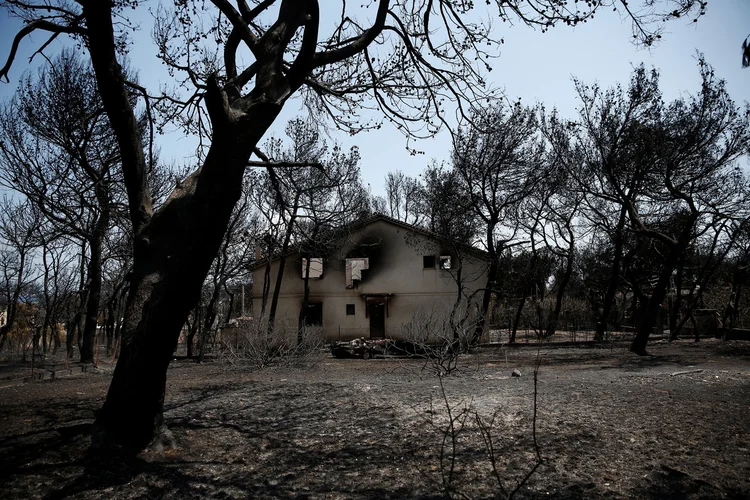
[{"x": 381, "y": 272}]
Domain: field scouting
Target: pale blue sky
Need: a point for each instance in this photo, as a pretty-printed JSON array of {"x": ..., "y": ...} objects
[{"x": 533, "y": 66}]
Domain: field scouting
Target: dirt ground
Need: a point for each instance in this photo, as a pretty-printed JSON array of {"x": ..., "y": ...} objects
[{"x": 609, "y": 425}]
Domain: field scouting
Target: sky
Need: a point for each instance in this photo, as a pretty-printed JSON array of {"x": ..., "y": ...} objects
[{"x": 533, "y": 67}]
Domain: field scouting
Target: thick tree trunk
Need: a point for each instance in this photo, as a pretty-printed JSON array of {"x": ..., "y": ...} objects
[
  {"x": 736, "y": 305},
  {"x": 486, "y": 300},
  {"x": 660, "y": 290},
  {"x": 94, "y": 272},
  {"x": 92, "y": 301},
  {"x": 517, "y": 319},
  {"x": 173, "y": 249},
  {"x": 182, "y": 241},
  {"x": 282, "y": 265},
  {"x": 457, "y": 326},
  {"x": 192, "y": 331},
  {"x": 266, "y": 278},
  {"x": 3, "y": 336},
  {"x": 614, "y": 279},
  {"x": 70, "y": 334},
  {"x": 492, "y": 275},
  {"x": 230, "y": 306},
  {"x": 655, "y": 302},
  {"x": 675, "y": 324},
  {"x": 302, "y": 320},
  {"x": 56, "y": 338},
  {"x": 552, "y": 325},
  {"x": 208, "y": 323}
]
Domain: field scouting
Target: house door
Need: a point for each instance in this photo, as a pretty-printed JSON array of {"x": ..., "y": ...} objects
[{"x": 377, "y": 319}]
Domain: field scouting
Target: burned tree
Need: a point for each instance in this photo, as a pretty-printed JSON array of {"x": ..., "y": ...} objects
[
  {"x": 692, "y": 149},
  {"x": 598, "y": 154},
  {"x": 496, "y": 163},
  {"x": 436, "y": 53},
  {"x": 57, "y": 150},
  {"x": 19, "y": 223}
]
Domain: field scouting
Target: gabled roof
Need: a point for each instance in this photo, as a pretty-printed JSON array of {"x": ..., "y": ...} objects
[{"x": 370, "y": 219}]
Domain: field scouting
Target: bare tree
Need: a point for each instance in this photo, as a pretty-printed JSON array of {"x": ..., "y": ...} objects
[
  {"x": 18, "y": 225},
  {"x": 560, "y": 209},
  {"x": 404, "y": 60},
  {"x": 447, "y": 206},
  {"x": 693, "y": 152},
  {"x": 58, "y": 268},
  {"x": 498, "y": 164},
  {"x": 62, "y": 156},
  {"x": 403, "y": 198},
  {"x": 597, "y": 154}
]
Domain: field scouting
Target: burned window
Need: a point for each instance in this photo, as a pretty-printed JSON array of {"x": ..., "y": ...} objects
[
  {"x": 316, "y": 268},
  {"x": 444, "y": 262},
  {"x": 350, "y": 309},
  {"x": 428, "y": 261},
  {"x": 354, "y": 268}
]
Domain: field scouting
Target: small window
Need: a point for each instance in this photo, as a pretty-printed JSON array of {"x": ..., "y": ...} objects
[
  {"x": 428, "y": 261},
  {"x": 350, "y": 309},
  {"x": 445, "y": 262},
  {"x": 316, "y": 268}
]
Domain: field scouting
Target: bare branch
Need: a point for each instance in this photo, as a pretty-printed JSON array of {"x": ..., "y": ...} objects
[{"x": 38, "y": 24}]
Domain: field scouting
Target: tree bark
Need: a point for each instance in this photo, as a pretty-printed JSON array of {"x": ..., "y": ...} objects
[
  {"x": 173, "y": 248},
  {"x": 614, "y": 278},
  {"x": 208, "y": 322},
  {"x": 659, "y": 292},
  {"x": 517, "y": 319},
  {"x": 282, "y": 265},
  {"x": 94, "y": 272},
  {"x": 675, "y": 325},
  {"x": 168, "y": 274},
  {"x": 552, "y": 325},
  {"x": 91, "y": 314},
  {"x": 492, "y": 275},
  {"x": 302, "y": 320}
]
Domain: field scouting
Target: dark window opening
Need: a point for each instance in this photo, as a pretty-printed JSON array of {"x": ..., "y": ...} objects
[
  {"x": 428, "y": 261},
  {"x": 314, "y": 314},
  {"x": 350, "y": 309}
]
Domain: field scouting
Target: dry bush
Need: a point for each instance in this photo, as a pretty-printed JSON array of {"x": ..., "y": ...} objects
[
  {"x": 439, "y": 338},
  {"x": 251, "y": 346},
  {"x": 473, "y": 448}
]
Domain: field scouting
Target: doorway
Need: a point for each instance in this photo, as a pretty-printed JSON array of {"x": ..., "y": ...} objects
[{"x": 377, "y": 319}]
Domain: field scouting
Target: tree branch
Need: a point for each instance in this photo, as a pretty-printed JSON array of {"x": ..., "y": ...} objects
[
  {"x": 358, "y": 45},
  {"x": 38, "y": 24}
]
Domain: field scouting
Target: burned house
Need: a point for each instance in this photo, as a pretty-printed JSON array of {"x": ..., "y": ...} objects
[{"x": 377, "y": 274}]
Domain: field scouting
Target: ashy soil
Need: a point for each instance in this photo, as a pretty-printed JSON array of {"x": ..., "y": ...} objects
[{"x": 609, "y": 424}]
